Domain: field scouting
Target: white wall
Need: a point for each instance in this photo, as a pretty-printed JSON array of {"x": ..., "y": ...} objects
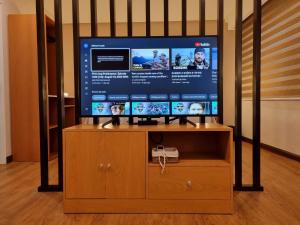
[
  {"x": 5, "y": 142},
  {"x": 280, "y": 123}
]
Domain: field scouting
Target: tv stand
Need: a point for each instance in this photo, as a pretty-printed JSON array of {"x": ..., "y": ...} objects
[
  {"x": 96, "y": 120},
  {"x": 112, "y": 171},
  {"x": 148, "y": 121},
  {"x": 115, "y": 121},
  {"x": 183, "y": 120}
]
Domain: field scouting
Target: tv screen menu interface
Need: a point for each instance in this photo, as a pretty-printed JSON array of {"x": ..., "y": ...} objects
[{"x": 149, "y": 76}]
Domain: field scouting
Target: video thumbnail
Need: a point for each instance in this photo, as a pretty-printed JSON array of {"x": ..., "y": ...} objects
[
  {"x": 214, "y": 58},
  {"x": 150, "y": 108},
  {"x": 150, "y": 59},
  {"x": 110, "y": 59},
  {"x": 214, "y": 108},
  {"x": 110, "y": 108},
  {"x": 190, "y": 108},
  {"x": 190, "y": 58}
]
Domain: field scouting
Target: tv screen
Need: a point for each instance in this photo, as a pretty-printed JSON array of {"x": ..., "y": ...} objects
[{"x": 149, "y": 76}]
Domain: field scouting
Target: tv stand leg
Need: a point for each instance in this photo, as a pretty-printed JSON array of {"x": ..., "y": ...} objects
[
  {"x": 202, "y": 119},
  {"x": 96, "y": 120},
  {"x": 131, "y": 120},
  {"x": 115, "y": 121},
  {"x": 167, "y": 120},
  {"x": 184, "y": 120}
]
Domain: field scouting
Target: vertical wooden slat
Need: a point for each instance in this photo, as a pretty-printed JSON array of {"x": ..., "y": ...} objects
[
  {"x": 166, "y": 33},
  {"x": 166, "y": 17},
  {"x": 129, "y": 18},
  {"x": 94, "y": 20},
  {"x": 76, "y": 34},
  {"x": 94, "y": 33},
  {"x": 148, "y": 18},
  {"x": 112, "y": 19},
  {"x": 183, "y": 13},
  {"x": 238, "y": 94},
  {"x": 60, "y": 87},
  {"x": 40, "y": 22},
  {"x": 202, "y": 18},
  {"x": 129, "y": 33},
  {"x": 256, "y": 91},
  {"x": 202, "y": 32},
  {"x": 220, "y": 57}
]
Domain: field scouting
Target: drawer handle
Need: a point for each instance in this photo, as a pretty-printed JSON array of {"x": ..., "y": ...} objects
[
  {"x": 108, "y": 166},
  {"x": 189, "y": 183},
  {"x": 101, "y": 165}
]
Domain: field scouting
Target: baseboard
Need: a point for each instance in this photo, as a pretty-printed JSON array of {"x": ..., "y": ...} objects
[
  {"x": 9, "y": 159},
  {"x": 275, "y": 150}
]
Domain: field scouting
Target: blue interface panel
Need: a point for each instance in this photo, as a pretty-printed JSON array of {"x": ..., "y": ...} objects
[{"x": 157, "y": 76}]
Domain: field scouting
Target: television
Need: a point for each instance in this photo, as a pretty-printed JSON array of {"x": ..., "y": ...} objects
[{"x": 148, "y": 76}]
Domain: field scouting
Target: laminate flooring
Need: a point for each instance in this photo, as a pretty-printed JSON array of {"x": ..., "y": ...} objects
[{"x": 21, "y": 204}]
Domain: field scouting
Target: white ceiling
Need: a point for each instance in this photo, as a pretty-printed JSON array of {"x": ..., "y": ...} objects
[{"x": 28, "y": 6}]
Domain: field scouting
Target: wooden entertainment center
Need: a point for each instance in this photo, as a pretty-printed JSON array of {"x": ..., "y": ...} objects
[{"x": 109, "y": 170}]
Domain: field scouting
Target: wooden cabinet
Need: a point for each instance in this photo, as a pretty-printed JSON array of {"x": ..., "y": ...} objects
[
  {"x": 85, "y": 173},
  {"x": 111, "y": 171},
  {"x": 99, "y": 168},
  {"x": 24, "y": 89},
  {"x": 126, "y": 156}
]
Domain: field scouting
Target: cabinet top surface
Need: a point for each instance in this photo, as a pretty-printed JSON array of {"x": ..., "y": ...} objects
[{"x": 160, "y": 127}]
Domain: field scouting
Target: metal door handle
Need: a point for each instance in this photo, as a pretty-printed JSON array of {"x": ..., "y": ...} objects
[{"x": 189, "y": 183}]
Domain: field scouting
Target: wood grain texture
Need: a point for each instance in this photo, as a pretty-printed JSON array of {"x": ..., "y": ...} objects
[
  {"x": 21, "y": 204},
  {"x": 160, "y": 127},
  {"x": 124, "y": 151},
  {"x": 96, "y": 166},
  {"x": 190, "y": 183},
  {"x": 147, "y": 206},
  {"x": 84, "y": 180},
  {"x": 23, "y": 87},
  {"x": 126, "y": 154}
]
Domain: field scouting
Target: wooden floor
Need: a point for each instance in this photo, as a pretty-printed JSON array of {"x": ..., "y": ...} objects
[{"x": 21, "y": 204}]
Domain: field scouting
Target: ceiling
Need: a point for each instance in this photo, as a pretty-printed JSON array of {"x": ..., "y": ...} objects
[{"x": 28, "y": 6}]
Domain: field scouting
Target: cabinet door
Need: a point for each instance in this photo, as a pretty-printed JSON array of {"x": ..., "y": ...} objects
[
  {"x": 126, "y": 162},
  {"x": 84, "y": 154}
]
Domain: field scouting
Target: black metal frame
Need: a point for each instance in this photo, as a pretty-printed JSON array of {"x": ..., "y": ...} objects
[
  {"x": 202, "y": 17},
  {"x": 112, "y": 19},
  {"x": 60, "y": 88},
  {"x": 238, "y": 94},
  {"x": 43, "y": 97},
  {"x": 94, "y": 20},
  {"x": 202, "y": 32},
  {"x": 183, "y": 19},
  {"x": 166, "y": 17},
  {"x": 220, "y": 31},
  {"x": 129, "y": 18},
  {"x": 148, "y": 18},
  {"x": 256, "y": 94},
  {"x": 94, "y": 33},
  {"x": 76, "y": 34},
  {"x": 256, "y": 186},
  {"x": 40, "y": 22}
]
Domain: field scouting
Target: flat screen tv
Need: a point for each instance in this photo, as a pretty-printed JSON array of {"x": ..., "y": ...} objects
[{"x": 149, "y": 76}]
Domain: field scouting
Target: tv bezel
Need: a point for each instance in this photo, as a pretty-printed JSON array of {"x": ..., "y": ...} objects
[{"x": 130, "y": 101}]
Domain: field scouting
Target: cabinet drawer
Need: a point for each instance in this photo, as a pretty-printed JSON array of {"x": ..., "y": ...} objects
[{"x": 190, "y": 183}]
